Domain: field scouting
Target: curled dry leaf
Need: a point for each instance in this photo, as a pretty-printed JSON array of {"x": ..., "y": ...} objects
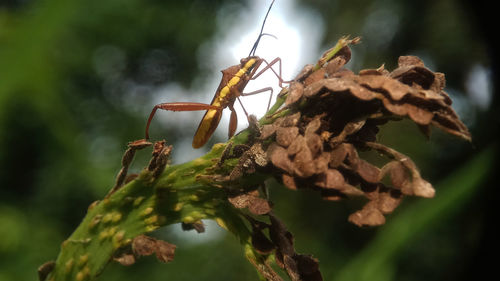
[
  {"x": 199, "y": 227},
  {"x": 143, "y": 245},
  {"x": 126, "y": 259},
  {"x": 297, "y": 266},
  {"x": 368, "y": 216},
  {"x": 45, "y": 269},
  {"x": 251, "y": 200},
  {"x": 410, "y": 90}
]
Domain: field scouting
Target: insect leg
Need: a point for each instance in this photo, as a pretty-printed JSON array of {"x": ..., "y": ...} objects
[
  {"x": 269, "y": 66},
  {"x": 178, "y": 106},
  {"x": 233, "y": 122},
  {"x": 261, "y": 91}
]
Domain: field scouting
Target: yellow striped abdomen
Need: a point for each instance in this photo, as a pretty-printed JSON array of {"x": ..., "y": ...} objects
[{"x": 227, "y": 92}]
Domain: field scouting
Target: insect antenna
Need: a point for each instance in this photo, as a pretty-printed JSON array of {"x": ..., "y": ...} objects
[{"x": 254, "y": 47}]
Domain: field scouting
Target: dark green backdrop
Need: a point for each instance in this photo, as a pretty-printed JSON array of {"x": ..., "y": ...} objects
[{"x": 63, "y": 128}]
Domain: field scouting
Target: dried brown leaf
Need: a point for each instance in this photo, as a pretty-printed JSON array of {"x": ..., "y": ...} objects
[
  {"x": 313, "y": 126},
  {"x": 368, "y": 216},
  {"x": 45, "y": 269},
  {"x": 318, "y": 75},
  {"x": 291, "y": 120},
  {"x": 297, "y": 145},
  {"x": 251, "y": 200},
  {"x": 127, "y": 259},
  {"x": 419, "y": 115},
  {"x": 367, "y": 171},
  {"x": 261, "y": 243},
  {"x": 338, "y": 154},
  {"x": 289, "y": 181},
  {"x": 298, "y": 266},
  {"x": 143, "y": 245},
  {"x": 198, "y": 226},
  {"x": 335, "y": 65},
  {"x": 303, "y": 164},
  {"x": 321, "y": 162},
  {"x": 388, "y": 201},
  {"x": 331, "y": 179},
  {"x": 267, "y": 131},
  {"x": 314, "y": 143},
  {"x": 285, "y": 135},
  {"x": 279, "y": 157},
  {"x": 295, "y": 93},
  {"x": 165, "y": 251}
]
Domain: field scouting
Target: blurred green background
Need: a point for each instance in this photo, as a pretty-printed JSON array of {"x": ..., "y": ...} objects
[{"x": 78, "y": 78}]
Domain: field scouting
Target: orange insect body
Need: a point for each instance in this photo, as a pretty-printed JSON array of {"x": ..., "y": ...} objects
[{"x": 234, "y": 80}]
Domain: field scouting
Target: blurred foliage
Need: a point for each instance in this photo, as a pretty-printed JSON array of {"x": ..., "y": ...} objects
[{"x": 76, "y": 78}]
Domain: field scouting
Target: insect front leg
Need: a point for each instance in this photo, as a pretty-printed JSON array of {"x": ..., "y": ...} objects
[
  {"x": 269, "y": 65},
  {"x": 178, "y": 106}
]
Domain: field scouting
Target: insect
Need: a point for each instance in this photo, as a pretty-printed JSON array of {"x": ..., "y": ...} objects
[{"x": 233, "y": 82}]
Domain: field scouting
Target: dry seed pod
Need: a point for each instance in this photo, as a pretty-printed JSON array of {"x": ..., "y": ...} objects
[
  {"x": 295, "y": 93},
  {"x": 285, "y": 135},
  {"x": 338, "y": 154},
  {"x": 143, "y": 245},
  {"x": 303, "y": 163},
  {"x": 313, "y": 126},
  {"x": 279, "y": 157},
  {"x": 290, "y": 120},
  {"x": 297, "y": 145},
  {"x": 367, "y": 171},
  {"x": 331, "y": 179},
  {"x": 368, "y": 216},
  {"x": 306, "y": 71},
  {"x": 315, "y": 144},
  {"x": 252, "y": 201},
  {"x": 289, "y": 181},
  {"x": 267, "y": 131},
  {"x": 321, "y": 162},
  {"x": 335, "y": 65}
]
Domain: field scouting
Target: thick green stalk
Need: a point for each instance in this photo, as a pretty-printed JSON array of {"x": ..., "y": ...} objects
[{"x": 182, "y": 193}]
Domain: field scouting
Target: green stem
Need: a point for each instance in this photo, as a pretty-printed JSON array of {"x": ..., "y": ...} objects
[{"x": 185, "y": 193}]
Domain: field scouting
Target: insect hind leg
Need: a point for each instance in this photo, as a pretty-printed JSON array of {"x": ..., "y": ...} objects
[
  {"x": 177, "y": 106},
  {"x": 258, "y": 92}
]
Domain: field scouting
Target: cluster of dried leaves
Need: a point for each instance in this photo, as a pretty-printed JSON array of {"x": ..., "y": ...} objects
[
  {"x": 332, "y": 115},
  {"x": 337, "y": 114}
]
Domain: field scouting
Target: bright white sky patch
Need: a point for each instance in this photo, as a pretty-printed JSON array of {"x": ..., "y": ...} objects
[
  {"x": 175, "y": 234},
  {"x": 298, "y": 35},
  {"x": 479, "y": 87}
]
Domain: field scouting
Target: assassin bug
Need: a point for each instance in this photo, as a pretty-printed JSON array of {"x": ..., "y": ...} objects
[{"x": 234, "y": 81}]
